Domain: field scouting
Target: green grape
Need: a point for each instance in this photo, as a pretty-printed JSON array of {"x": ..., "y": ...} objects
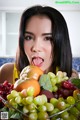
[
  {"x": 55, "y": 88},
  {"x": 42, "y": 108},
  {"x": 67, "y": 105},
  {"x": 49, "y": 106},
  {"x": 53, "y": 81},
  {"x": 14, "y": 93},
  {"x": 30, "y": 91},
  {"x": 75, "y": 94},
  {"x": 52, "y": 75},
  {"x": 13, "y": 103},
  {"x": 65, "y": 78},
  {"x": 54, "y": 101},
  {"x": 40, "y": 100},
  {"x": 56, "y": 110},
  {"x": 74, "y": 111},
  {"x": 70, "y": 100},
  {"x": 44, "y": 98},
  {"x": 60, "y": 74},
  {"x": 9, "y": 96},
  {"x": 72, "y": 117},
  {"x": 25, "y": 109},
  {"x": 29, "y": 99},
  {"x": 33, "y": 116},
  {"x": 61, "y": 105},
  {"x": 65, "y": 115},
  {"x": 78, "y": 106},
  {"x": 64, "y": 74},
  {"x": 33, "y": 110},
  {"x": 32, "y": 106},
  {"x": 61, "y": 99},
  {"x": 24, "y": 101},
  {"x": 42, "y": 115},
  {"x": 59, "y": 80},
  {"x": 18, "y": 99}
]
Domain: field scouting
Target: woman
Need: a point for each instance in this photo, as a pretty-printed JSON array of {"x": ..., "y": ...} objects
[{"x": 43, "y": 41}]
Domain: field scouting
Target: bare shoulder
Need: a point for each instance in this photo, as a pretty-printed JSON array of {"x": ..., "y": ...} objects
[
  {"x": 6, "y": 66},
  {"x": 75, "y": 74},
  {"x": 6, "y": 71}
]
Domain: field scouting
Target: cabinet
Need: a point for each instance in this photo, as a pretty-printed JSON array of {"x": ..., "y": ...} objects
[{"x": 9, "y": 32}]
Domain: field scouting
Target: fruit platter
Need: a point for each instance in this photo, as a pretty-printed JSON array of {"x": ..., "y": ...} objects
[{"x": 39, "y": 96}]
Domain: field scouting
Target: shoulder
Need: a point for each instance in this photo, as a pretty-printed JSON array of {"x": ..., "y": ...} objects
[
  {"x": 6, "y": 67},
  {"x": 74, "y": 74},
  {"x": 5, "y": 71}
]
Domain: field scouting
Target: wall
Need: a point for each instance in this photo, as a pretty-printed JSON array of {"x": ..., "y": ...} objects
[{"x": 73, "y": 22}]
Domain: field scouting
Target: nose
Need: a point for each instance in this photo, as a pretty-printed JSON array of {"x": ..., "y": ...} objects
[{"x": 36, "y": 46}]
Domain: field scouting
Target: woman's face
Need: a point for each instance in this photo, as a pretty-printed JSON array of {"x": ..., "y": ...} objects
[{"x": 37, "y": 43}]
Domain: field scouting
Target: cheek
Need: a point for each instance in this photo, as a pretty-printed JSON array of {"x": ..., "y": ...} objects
[
  {"x": 26, "y": 48},
  {"x": 50, "y": 53},
  {"x": 49, "y": 50}
]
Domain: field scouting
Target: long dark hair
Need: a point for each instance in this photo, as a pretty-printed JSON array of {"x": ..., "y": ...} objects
[{"x": 61, "y": 50}]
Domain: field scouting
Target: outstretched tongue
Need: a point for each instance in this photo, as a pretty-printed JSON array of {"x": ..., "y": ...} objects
[{"x": 37, "y": 61}]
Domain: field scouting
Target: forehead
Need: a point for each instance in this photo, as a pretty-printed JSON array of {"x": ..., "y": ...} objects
[
  {"x": 39, "y": 16},
  {"x": 39, "y": 22}
]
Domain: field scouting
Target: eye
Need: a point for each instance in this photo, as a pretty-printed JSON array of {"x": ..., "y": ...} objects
[
  {"x": 48, "y": 38},
  {"x": 28, "y": 37}
]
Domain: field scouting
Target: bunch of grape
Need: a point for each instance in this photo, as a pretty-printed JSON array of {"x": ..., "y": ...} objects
[
  {"x": 62, "y": 86},
  {"x": 66, "y": 89},
  {"x": 56, "y": 79},
  {"x": 38, "y": 108},
  {"x": 61, "y": 104},
  {"x": 5, "y": 89},
  {"x": 50, "y": 83}
]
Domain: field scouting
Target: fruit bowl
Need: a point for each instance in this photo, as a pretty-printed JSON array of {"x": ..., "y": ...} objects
[
  {"x": 59, "y": 99},
  {"x": 72, "y": 111}
]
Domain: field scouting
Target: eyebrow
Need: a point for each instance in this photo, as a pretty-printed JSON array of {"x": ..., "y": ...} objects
[
  {"x": 42, "y": 34},
  {"x": 47, "y": 34},
  {"x": 29, "y": 32}
]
